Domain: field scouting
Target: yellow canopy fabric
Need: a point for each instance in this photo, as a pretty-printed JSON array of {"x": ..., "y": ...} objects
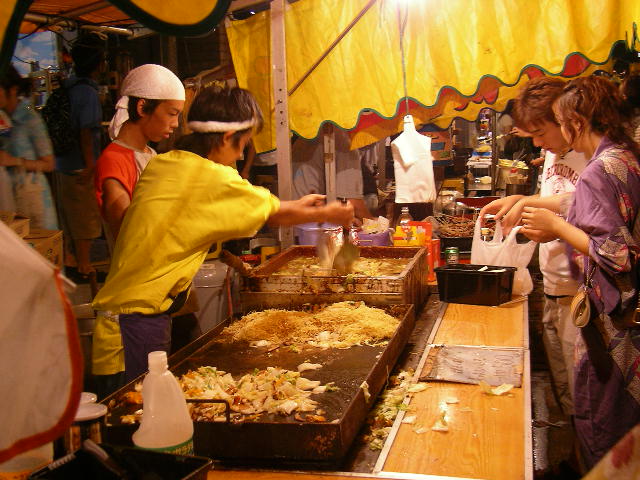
[
  {"x": 171, "y": 17},
  {"x": 11, "y": 13},
  {"x": 447, "y": 43}
]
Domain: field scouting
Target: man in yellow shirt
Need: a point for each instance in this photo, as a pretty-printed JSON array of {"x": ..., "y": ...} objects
[{"x": 185, "y": 201}]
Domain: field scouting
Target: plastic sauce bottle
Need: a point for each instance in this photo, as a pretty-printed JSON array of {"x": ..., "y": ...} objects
[
  {"x": 166, "y": 425},
  {"x": 403, "y": 222}
]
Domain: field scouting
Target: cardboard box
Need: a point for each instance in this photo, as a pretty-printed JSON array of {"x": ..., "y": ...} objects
[
  {"x": 20, "y": 225},
  {"x": 48, "y": 243},
  {"x": 6, "y": 216}
]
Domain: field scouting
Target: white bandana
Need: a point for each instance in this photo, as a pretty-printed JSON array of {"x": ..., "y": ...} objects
[
  {"x": 153, "y": 82},
  {"x": 217, "y": 127}
]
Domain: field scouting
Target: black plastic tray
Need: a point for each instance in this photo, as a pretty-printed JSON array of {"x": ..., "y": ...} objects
[
  {"x": 475, "y": 284},
  {"x": 138, "y": 464}
]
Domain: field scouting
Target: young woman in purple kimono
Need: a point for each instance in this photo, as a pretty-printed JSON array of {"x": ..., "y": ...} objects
[{"x": 599, "y": 228}]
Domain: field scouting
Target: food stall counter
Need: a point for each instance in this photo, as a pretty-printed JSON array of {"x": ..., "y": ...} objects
[{"x": 487, "y": 436}]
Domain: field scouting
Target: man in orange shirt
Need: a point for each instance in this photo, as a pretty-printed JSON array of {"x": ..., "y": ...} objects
[{"x": 152, "y": 100}]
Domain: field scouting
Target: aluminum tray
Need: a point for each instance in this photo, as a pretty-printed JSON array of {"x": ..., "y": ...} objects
[{"x": 273, "y": 439}]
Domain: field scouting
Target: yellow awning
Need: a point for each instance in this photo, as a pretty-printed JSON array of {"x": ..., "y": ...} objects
[
  {"x": 171, "y": 17},
  {"x": 448, "y": 44}
]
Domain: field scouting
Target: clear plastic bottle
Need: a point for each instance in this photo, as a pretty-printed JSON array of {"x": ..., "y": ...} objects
[
  {"x": 403, "y": 222},
  {"x": 166, "y": 424}
]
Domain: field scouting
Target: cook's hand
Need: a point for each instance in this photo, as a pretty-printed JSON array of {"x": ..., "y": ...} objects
[
  {"x": 312, "y": 200},
  {"x": 340, "y": 213},
  {"x": 536, "y": 162},
  {"x": 541, "y": 223},
  {"x": 499, "y": 207}
]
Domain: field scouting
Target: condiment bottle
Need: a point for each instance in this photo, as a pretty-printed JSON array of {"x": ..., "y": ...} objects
[
  {"x": 166, "y": 424},
  {"x": 403, "y": 222}
]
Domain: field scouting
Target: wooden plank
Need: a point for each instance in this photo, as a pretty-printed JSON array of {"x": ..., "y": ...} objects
[
  {"x": 485, "y": 438},
  {"x": 480, "y": 325}
]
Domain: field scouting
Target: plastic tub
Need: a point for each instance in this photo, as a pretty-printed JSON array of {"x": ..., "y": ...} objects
[
  {"x": 209, "y": 285},
  {"x": 307, "y": 233},
  {"x": 381, "y": 239},
  {"x": 475, "y": 284}
]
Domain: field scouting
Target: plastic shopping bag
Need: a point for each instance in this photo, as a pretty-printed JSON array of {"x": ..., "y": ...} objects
[
  {"x": 505, "y": 252},
  {"x": 29, "y": 196},
  {"x": 7, "y": 202}
]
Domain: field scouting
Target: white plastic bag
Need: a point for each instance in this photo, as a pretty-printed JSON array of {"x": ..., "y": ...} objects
[
  {"x": 7, "y": 201},
  {"x": 29, "y": 197},
  {"x": 413, "y": 165},
  {"x": 505, "y": 252}
]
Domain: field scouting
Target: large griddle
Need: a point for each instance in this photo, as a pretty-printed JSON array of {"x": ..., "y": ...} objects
[{"x": 275, "y": 439}]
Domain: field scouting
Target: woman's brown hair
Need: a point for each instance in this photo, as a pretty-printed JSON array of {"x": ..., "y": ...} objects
[
  {"x": 533, "y": 105},
  {"x": 220, "y": 104},
  {"x": 596, "y": 101}
]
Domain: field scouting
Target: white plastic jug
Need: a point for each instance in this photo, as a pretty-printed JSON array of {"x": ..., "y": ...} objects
[{"x": 166, "y": 424}]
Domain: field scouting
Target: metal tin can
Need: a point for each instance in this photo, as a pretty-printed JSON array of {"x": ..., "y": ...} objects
[{"x": 451, "y": 255}]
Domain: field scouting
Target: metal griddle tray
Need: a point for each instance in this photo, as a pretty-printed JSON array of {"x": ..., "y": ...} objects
[{"x": 276, "y": 439}]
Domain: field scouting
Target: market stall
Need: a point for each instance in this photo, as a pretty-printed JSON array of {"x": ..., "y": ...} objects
[{"x": 469, "y": 68}]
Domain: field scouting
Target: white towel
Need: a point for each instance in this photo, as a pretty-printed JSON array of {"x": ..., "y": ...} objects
[
  {"x": 413, "y": 165},
  {"x": 150, "y": 81}
]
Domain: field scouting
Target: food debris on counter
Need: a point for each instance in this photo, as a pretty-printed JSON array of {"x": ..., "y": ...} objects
[
  {"x": 365, "y": 389},
  {"x": 441, "y": 424},
  {"x": 500, "y": 390},
  {"x": 390, "y": 402}
]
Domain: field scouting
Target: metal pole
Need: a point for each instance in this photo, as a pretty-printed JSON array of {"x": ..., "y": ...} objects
[
  {"x": 494, "y": 150},
  {"x": 283, "y": 142},
  {"x": 329, "y": 148}
]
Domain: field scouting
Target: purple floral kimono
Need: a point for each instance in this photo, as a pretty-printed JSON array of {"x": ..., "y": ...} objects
[{"x": 607, "y": 359}]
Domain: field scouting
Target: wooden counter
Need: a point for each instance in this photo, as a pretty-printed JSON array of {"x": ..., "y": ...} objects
[{"x": 489, "y": 436}]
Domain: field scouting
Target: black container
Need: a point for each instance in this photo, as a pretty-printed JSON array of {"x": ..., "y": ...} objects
[
  {"x": 138, "y": 464},
  {"x": 462, "y": 243},
  {"x": 475, "y": 284}
]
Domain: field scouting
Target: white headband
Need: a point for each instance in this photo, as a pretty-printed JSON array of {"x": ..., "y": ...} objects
[{"x": 216, "y": 127}]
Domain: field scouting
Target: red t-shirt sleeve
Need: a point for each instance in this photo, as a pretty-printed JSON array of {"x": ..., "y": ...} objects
[{"x": 115, "y": 162}]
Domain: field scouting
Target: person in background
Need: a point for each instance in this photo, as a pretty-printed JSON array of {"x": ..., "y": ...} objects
[
  {"x": 309, "y": 173},
  {"x": 600, "y": 230},
  {"x": 74, "y": 169},
  {"x": 186, "y": 200},
  {"x": 7, "y": 202},
  {"x": 533, "y": 113},
  {"x": 630, "y": 90},
  {"x": 148, "y": 110},
  {"x": 29, "y": 149}
]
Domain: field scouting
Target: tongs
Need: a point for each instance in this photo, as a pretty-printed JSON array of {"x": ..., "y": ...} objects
[{"x": 348, "y": 253}]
